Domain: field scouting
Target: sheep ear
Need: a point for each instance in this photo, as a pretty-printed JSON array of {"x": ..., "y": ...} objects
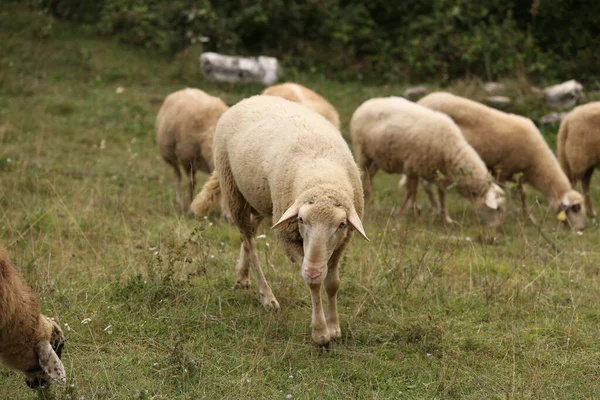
[
  {"x": 51, "y": 365},
  {"x": 354, "y": 220},
  {"x": 490, "y": 200},
  {"x": 290, "y": 213}
]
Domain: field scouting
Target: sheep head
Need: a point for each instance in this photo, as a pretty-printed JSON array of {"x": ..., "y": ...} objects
[
  {"x": 47, "y": 352},
  {"x": 323, "y": 223},
  {"x": 490, "y": 206},
  {"x": 570, "y": 209}
]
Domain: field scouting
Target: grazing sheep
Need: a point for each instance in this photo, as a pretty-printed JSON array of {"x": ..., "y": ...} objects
[
  {"x": 579, "y": 147},
  {"x": 513, "y": 149},
  {"x": 184, "y": 130},
  {"x": 29, "y": 341},
  {"x": 274, "y": 158},
  {"x": 306, "y": 97},
  {"x": 399, "y": 136}
]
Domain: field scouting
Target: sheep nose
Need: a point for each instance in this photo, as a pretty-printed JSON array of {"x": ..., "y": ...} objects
[{"x": 313, "y": 273}]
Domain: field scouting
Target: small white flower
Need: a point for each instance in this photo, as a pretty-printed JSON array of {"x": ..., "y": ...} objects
[
  {"x": 212, "y": 256},
  {"x": 468, "y": 239},
  {"x": 263, "y": 236},
  {"x": 155, "y": 365},
  {"x": 267, "y": 244},
  {"x": 291, "y": 376},
  {"x": 102, "y": 144},
  {"x": 580, "y": 233},
  {"x": 156, "y": 253},
  {"x": 288, "y": 396},
  {"x": 86, "y": 321},
  {"x": 120, "y": 90},
  {"x": 428, "y": 354}
]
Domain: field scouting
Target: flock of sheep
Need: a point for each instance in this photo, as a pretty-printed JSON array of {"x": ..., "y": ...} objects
[{"x": 281, "y": 156}]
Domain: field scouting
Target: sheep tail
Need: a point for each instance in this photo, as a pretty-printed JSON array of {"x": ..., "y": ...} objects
[
  {"x": 209, "y": 196},
  {"x": 563, "y": 133}
]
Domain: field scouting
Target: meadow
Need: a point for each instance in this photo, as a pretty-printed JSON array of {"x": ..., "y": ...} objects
[{"x": 144, "y": 295}]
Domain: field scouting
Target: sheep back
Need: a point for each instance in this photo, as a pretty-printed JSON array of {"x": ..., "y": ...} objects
[
  {"x": 276, "y": 148},
  {"x": 579, "y": 140},
  {"x": 185, "y": 126},
  {"x": 308, "y": 98}
]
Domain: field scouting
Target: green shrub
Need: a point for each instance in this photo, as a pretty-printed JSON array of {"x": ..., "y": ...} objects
[{"x": 376, "y": 40}]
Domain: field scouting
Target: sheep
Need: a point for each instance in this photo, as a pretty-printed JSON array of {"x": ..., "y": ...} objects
[
  {"x": 29, "y": 341},
  {"x": 513, "y": 149},
  {"x": 579, "y": 148},
  {"x": 306, "y": 97},
  {"x": 275, "y": 158},
  {"x": 184, "y": 129},
  {"x": 399, "y": 136}
]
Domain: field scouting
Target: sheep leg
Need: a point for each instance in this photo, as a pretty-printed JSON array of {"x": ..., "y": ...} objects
[
  {"x": 370, "y": 169},
  {"x": 443, "y": 211},
  {"x": 241, "y": 213},
  {"x": 191, "y": 187},
  {"x": 523, "y": 201},
  {"x": 178, "y": 186},
  {"x": 585, "y": 187},
  {"x": 332, "y": 284},
  {"x": 412, "y": 182},
  {"x": 435, "y": 204},
  {"x": 320, "y": 333},
  {"x": 243, "y": 266},
  {"x": 251, "y": 257}
]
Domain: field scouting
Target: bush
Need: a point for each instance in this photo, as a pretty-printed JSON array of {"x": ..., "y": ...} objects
[{"x": 376, "y": 40}]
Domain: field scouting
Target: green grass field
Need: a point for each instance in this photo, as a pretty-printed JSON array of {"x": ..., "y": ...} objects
[{"x": 88, "y": 213}]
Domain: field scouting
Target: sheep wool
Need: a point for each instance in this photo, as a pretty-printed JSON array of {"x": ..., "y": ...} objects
[
  {"x": 579, "y": 147},
  {"x": 306, "y": 97},
  {"x": 275, "y": 158},
  {"x": 185, "y": 126},
  {"x": 29, "y": 341},
  {"x": 399, "y": 136},
  {"x": 513, "y": 149}
]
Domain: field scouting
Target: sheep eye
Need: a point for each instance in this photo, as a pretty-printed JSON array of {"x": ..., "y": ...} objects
[
  {"x": 576, "y": 208},
  {"x": 300, "y": 220},
  {"x": 343, "y": 224}
]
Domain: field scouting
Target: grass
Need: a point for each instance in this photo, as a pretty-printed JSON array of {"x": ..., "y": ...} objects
[{"x": 88, "y": 214}]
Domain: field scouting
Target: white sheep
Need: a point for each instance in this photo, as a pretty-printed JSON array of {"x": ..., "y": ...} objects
[
  {"x": 274, "y": 158},
  {"x": 184, "y": 130},
  {"x": 513, "y": 149},
  {"x": 579, "y": 147},
  {"x": 306, "y": 97},
  {"x": 29, "y": 341},
  {"x": 399, "y": 136}
]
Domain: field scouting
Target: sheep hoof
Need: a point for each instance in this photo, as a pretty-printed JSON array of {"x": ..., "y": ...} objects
[
  {"x": 271, "y": 303},
  {"x": 245, "y": 284},
  {"x": 324, "y": 348},
  {"x": 334, "y": 332},
  {"x": 448, "y": 221}
]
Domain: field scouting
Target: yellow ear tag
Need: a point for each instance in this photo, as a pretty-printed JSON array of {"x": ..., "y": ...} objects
[{"x": 561, "y": 216}]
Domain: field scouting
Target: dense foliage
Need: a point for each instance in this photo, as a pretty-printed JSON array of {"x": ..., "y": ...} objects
[{"x": 378, "y": 39}]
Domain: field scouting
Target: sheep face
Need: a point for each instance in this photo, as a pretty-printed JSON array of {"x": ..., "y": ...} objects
[
  {"x": 571, "y": 210},
  {"x": 323, "y": 226},
  {"x": 490, "y": 206},
  {"x": 45, "y": 359}
]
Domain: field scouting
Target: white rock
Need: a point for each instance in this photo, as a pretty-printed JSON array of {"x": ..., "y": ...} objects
[
  {"x": 553, "y": 117},
  {"x": 219, "y": 67},
  {"x": 564, "y": 94},
  {"x": 493, "y": 87},
  {"x": 415, "y": 92},
  {"x": 497, "y": 101}
]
